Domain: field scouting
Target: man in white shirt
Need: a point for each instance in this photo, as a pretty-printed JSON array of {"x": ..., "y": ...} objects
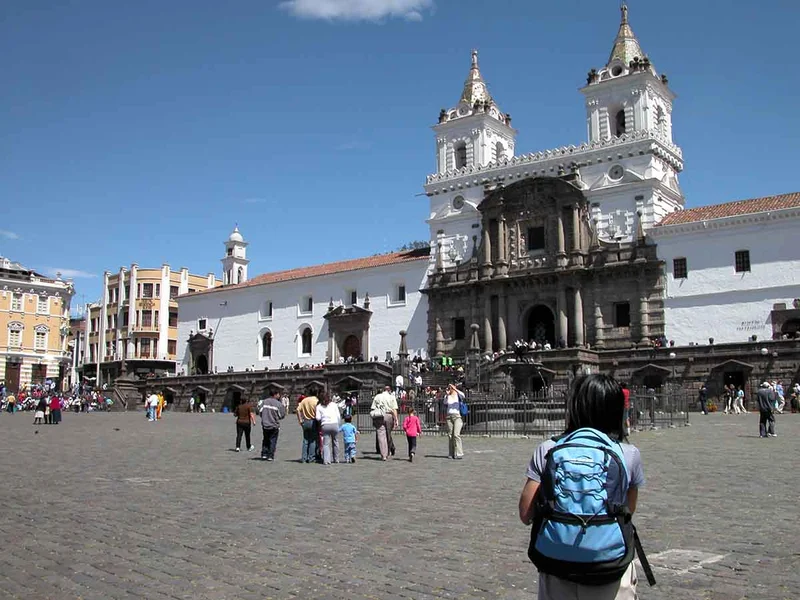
[
  {"x": 398, "y": 384},
  {"x": 191, "y": 404},
  {"x": 385, "y": 403},
  {"x": 152, "y": 404}
]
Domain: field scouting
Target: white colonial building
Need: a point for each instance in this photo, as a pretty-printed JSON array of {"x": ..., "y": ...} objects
[
  {"x": 307, "y": 316},
  {"x": 627, "y": 169},
  {"x": 732, "y": 271}
]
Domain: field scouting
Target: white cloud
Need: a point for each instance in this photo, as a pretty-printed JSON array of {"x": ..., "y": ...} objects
[
  {"x": 357, "y": 10},
  {"x": 9, "y": 235},
  {"x": 68, "y": 273}
]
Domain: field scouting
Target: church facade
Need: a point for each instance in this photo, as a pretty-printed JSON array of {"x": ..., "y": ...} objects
[{"x": 551, "y": 246}]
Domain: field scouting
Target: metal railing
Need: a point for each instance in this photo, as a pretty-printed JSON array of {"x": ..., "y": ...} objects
[
  {"x": 505, "y": 415},
  {"x": 657, "y": 409}
]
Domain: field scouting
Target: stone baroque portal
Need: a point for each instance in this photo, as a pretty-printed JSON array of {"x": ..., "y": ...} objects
[{"x": 538, "y": 271}]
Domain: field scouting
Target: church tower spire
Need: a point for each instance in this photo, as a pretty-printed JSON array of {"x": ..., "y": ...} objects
[
  {"x": 475, "y": 89},
  {"x": 475, "y": 132},
  {"x": 627, "y": 50}
]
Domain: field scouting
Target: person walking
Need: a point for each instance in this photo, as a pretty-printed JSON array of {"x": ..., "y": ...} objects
[
  {"x": 739, "y": 402},
  {"x": 766, "y": 405},
  {"x": 191, "y": 404},
  {"x": 307, "y": 418},
  {"x": 384, "y": 417},
  {"x": 328, "y": 418},
  {"x": 413, "y": 428},
  {"x": 452, "y": 402},
  {"x": 350, "y": 436},
  {"x": 702, "y": 395},
  {"x": 152, "y": 404},
  {"x": 55, "y": 410},
  {"x": 245, "y": 418},
  {"x": 780, "y": 400},
  {"x": 272, "y": 413},
  {"x": 41, "y": 406}
]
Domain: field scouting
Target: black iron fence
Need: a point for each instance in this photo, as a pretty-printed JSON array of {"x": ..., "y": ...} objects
[
  {"x": 490, "y": 414},
  {"x": 664, "y": 407},
  {"x": 541, "y": 414}
]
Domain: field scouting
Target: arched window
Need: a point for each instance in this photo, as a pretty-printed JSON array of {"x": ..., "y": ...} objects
[
  {"x": 305, "y": 341},
  {"x": 240, "y": 277},
  {"x": 619, "y": 123},
  {"x": 266, "y": 345},
  {"x": 460, "y": 150},
  {"x": 499, "y": 152}
]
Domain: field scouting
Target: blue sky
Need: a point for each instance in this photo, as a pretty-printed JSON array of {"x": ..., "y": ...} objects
[{"x": 143, "y": 131}]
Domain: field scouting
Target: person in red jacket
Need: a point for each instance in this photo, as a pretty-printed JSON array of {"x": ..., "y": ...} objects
[
  {"x": 413, "y": 428},
  {"x": 55, "y": 410}
]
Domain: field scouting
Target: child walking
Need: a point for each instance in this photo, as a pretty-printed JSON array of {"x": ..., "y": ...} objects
[
  {"x": 413, "y": 428},
  {"x": 350, "y": 435}
]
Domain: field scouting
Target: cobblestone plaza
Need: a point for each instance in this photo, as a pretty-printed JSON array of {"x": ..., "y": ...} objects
[{"x": 108, "y": 506}]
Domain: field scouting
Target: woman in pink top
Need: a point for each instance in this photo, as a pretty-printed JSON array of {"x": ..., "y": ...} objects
[{"x": 413, "y": 428}]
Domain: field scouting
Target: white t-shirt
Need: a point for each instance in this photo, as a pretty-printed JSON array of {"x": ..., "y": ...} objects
[
  {"x": 398, "y": 381},
  {"x": 328, "y": 415},
  {"x": 152, "y": 400},
  {"x": 452, "y": 400}
]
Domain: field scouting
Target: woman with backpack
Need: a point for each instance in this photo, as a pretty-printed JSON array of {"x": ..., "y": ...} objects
[
  {"x": 581, "y": 492},
  {"x": 452, "y": 402}
]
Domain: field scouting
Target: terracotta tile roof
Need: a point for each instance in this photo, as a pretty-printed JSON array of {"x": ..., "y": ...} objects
[
  {"x": 732, "y": 209},
  {"x": 356, "y": 264}
]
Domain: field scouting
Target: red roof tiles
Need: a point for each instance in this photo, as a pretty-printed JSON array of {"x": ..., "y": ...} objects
[
  {"x": 356, "y": 264},
  {"x": 732, "y": 209}
]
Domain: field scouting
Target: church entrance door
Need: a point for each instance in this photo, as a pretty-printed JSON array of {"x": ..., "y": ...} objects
[
  {"x": 541, "y": 325},
  {"x": 351, "y": 347}
]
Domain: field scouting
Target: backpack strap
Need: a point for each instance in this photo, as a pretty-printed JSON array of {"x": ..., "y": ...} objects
[{"x": 648, "y": 570}]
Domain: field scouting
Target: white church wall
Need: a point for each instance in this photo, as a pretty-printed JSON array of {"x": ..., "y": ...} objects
[
  {"x": 238, "y": 316},
  {"x": 716, "y": 301}
]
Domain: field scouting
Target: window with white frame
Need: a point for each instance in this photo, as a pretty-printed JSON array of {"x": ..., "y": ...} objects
[
  {"x": 15, "y": 334},
  {"x": 40, "y": 337},
  {"x": 42, "y": 305},
  {"x": 266, "y": 310},
  {"x": 16, "y": 302},
  {"x": 201, "y": 324},
  {"x": 266, "y": 344},
  {"x": 306, "y": 305},
  {"x": 306, "y": 339},
  {"x": 351, "y": 297},
  {"x": 398, "y": 295}
]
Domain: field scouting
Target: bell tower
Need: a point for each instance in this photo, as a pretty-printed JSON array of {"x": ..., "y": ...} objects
[
  {"x": 475, "y": 131},
  {"x": 234, "y": 263},
  {"x": 627, "y": 95}
]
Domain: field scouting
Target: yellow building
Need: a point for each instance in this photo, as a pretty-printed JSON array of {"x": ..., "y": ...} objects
[
  {"x": 34, "y": 323},
  {"x": 134, "y": 329}
]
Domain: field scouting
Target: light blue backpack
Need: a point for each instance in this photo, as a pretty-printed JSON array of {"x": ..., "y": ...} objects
[{"x": 582, "y": 529}]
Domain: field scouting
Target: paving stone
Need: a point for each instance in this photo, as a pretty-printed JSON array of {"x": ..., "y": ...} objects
[{"x": 111, "y": 506}]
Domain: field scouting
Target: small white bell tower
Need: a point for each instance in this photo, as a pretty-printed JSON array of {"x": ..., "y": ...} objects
[{"x": 234, "y": 263}]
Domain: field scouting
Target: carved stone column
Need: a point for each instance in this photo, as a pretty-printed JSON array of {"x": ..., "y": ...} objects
[
  {"x": 576, "y": 228},
  {"x": 502, "y": 341},
  {"x": 644, "y": 327},
  {"x": 487, "y": 322},
  {"x": 578, "y": 323},
  {"x": 599, "y": 335},
  {"x": 502, "y": 250},
  {"x": 439, "y": 337},
  {"x": 561, "y": 251},
  {"x": 486, "y": 271},
  {"x": 563, "y": 323}
]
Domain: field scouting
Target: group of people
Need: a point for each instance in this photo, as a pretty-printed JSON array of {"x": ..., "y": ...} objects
[{"x": 326, "y": 420}]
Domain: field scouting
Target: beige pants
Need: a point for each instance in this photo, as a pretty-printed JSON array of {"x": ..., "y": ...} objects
[
  {"x": 553, "y": 588},
  {"x": 383, "y": 429},
  {"x": 454, "y": 425}
]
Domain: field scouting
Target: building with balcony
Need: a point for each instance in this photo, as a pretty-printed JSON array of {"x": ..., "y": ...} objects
[
  {"x": 134, "y": 328},
  {"x": 34, "y": 324}
]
